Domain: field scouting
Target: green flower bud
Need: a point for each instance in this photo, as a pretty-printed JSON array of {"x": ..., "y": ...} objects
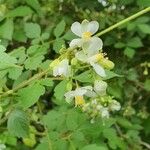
[
  {"x": 107, "y": 63},
  {"x": 54, "y": 63},
  {"x": 74, "y": 62},
  {"x": 69, "y": 86},
  {"x": 145, "y": 71},
  {"x": 30, "y": 141}
]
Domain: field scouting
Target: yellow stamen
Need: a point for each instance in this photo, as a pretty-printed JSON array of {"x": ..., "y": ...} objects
[
  {"x": 79, "y": 101},
  {"x": 87, "y": 35},
  {"x": 99, "y": 56}
]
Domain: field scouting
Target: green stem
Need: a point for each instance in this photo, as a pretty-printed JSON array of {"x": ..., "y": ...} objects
[
  {"x": 27, "y": 82},
  {"x": 124, "y": 21}
]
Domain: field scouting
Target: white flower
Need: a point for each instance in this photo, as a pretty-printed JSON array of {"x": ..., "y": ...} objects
[
  {"x": 92, "y": 60},
  {"x": 100, "y": 87},
  {"x": 62, "y": 68},
  {"x": 114, "y": 105},
  {"x": 85, "y": 30},
  {"x": 104, "y": 112},
  {"x": 78, "y": 94}
]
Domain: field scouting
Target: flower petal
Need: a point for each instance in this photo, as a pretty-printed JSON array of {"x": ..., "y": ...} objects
[
  {"x": 75, "y": 43},
  {"x": 115, "y": 106},
  {"x": 81, "y": 56},
  {"x": 84, "y": 26},
  {"x": 100, "y": 87},
  {"x": 92, "y": 46},
  {"x": 76, "y": 29},
  {"x": 98, "y": 69},
  {"x": 62, "y": 68},
  {"x": 80, "y": 91},
  {"x": 104, "y": 112},
  {"x": 66, "y": 70},
  {"x": 93, "y": 27},
  {"x": 69, "y": 96}
]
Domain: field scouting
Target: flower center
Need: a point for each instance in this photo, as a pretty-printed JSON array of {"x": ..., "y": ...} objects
[
  {"x": 99, "y": 56},
  {"x": 87, "y": 35},
  {"x": 79, "y": 100}
]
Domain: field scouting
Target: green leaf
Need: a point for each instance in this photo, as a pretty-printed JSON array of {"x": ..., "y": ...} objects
[
  {"x": 147, "y": 84},
  {"x": 46, "y": 82},
  {"x": 19, "y": 35},
  {"x": 18, "y": 123},
  {"x": 57, "y": 45},
  {"x": 6, "y": 58},
  {"x": 59, "y": 28},
  {"x": 124, "y": 122},
  {"x": 131, "y": 26},
  {"x": 69, "y": 35},
  {"x": 135, "y": 42},
  {"x": 61, "y": 144},
  {"x": 38, "y": 49},
  {"x": 145, "y": 28},
  {"x": 42, "y": 146},
  {"x": 60, "y": 90},
  {"x": 28, "y": 96},
  {"x": 32, "y": 30},
  {"x": 111, "y": 135},
  {"x": 34, "y": 62},
  {"x": 129, "y": 52},
  {"x": 85, "y": 77},
  {"x": 111, "y": 74},
  {"x": 10, "y": 139},
  {"x": 132, "y": 74},
  {"x": 142, "y": 20},
  {"x": 119, "y": 45},
  {"x": 24, "y": 76},
  {"x": 72, "y": 120},
  {"x": 20, "y": 11},
  {"x": 126, "y": 2},
  {"x": 144, "y": 3},
  {"x": 94, "y": 147},
  {"x": 115, "y": 90},
  {"x": 6, "y": 29},
  {"x": 2, "y": 48},
  {"x": 51, "y": 119},
  {"x": 19, "y": 54},
  {"x": 146, "y": 125},
  {"x": 78, "y": 138},
  {"x": 34, "y": 4},
  {"x": 15, "y": 72}
]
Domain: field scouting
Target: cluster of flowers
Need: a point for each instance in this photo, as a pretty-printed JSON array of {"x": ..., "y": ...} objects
[{"x": 87, "y": 50}]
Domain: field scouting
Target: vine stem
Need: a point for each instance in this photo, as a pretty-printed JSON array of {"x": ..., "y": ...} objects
[
  {"x": 41, "y": 74},
  {"x": 124, "y": 21},
  {"x": 27, "y": 82}
]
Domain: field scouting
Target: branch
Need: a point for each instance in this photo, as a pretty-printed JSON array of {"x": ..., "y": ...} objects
[{"x": 124, "y": 21}]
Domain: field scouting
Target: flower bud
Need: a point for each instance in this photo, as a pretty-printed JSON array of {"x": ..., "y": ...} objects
[
  {"x": 145, "y": 71},
  {"x": 30, "y": 141},
  {"x": 54, "y": 63},
  {"x": 74, "y": 61},
  {"x": 107, "y": 63},
  {"x": 69, "y": 86}
]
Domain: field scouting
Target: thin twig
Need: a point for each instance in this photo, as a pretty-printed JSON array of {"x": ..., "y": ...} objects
[{"x": 124, "y": 21}]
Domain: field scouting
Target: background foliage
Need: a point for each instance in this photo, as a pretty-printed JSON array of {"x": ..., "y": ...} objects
[{"x": 36, "y": 116}]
